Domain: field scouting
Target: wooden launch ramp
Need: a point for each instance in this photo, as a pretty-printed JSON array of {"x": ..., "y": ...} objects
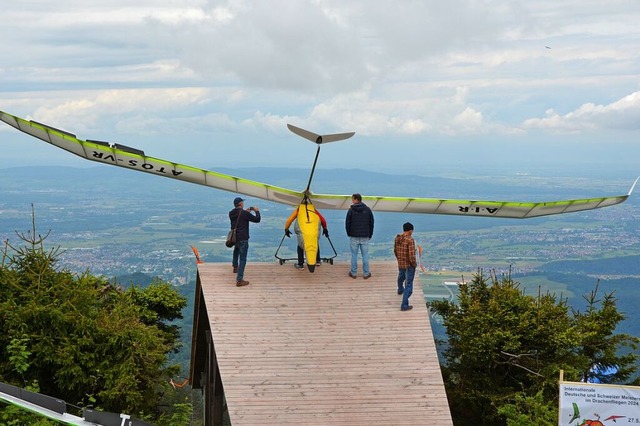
[{"x": 295, "y": 348}]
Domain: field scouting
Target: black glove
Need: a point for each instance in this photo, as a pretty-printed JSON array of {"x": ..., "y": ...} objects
[
  {"x": 325, "y": 232},
  {"x": 287, "y": 233}
]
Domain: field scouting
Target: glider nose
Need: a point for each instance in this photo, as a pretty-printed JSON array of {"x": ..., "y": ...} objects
[{"x": 311, "y": 268}]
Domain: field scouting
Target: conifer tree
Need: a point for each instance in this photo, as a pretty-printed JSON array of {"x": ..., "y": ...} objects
[
  {"x": 505, "y": 350},
  {"x": 82, "y": 338}
]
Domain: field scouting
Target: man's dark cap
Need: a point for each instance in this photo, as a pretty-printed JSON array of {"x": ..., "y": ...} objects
[{"x": 237, "y": 201}]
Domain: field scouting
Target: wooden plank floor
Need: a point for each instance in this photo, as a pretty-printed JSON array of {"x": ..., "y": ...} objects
[{"x": 296, "y": 348}]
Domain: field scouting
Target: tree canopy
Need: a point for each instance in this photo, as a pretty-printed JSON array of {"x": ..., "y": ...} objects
[
  {"x": 505, "y": 350},
  {"x": 83, "y": 338}
]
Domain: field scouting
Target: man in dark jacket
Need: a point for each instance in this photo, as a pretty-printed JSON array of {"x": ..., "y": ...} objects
[
  {"x": 240, "y": 219},
  {"x": 359, "y": 226}
]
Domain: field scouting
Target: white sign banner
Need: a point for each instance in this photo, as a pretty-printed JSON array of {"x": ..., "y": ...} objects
[{"x": 598, "y": 404}]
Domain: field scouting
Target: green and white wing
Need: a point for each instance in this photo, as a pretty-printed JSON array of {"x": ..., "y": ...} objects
[
  {"x": 504, "y": 209},
  {"x": 134, "y": 159}
]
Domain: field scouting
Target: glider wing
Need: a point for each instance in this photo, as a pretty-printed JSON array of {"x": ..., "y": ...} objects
[
  {"x": 135, "y": 159},
  {"x": 504, "y": 209},
  {"x": 131, "y": 158}
]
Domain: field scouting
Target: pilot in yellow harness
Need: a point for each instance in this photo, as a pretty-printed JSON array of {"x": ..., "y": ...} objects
[{"x": 308, "y": 221}]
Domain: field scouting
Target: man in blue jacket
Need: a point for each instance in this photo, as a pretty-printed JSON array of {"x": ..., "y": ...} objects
[
  {"x": 359, "y": 226},
  {"x": 240, "y": 218}
]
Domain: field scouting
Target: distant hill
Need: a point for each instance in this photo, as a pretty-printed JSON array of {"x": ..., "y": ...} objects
[{"x": 608, "y": 266}]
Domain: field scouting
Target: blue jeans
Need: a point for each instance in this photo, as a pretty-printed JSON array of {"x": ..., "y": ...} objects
[
  {"x": 240, "y": 257},
  {"x": 363, "y": 245},
  {"x": 405, "y": 276}
]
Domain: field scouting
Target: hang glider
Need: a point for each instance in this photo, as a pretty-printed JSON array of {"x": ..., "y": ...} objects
[{"x": 131, "y": 158}]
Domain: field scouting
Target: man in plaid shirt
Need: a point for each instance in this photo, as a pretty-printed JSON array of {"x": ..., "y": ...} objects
[{"x": 404, "y": 249}]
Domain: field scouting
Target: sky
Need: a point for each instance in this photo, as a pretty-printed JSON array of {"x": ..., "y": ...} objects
[{"x": 475, "y": 86}]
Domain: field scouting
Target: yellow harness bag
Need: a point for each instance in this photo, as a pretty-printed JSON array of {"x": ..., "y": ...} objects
[{"x": 309, "y": 223}]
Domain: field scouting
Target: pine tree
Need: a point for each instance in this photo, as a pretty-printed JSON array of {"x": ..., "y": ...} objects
[
  {"x": 505, "y": 350},
  {"x": 82, "y": 338}
]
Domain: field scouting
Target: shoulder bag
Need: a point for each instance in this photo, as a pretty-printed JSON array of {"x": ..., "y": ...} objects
[{"x": 231, "y": 236}]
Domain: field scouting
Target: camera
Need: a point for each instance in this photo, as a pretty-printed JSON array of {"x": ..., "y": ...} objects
[{"x": 251, "y": 209}]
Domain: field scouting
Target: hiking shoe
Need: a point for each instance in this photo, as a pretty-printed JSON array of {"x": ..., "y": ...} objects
[
  {"x": 408, "y": 308},
  {"x": 366, "y": 277},
  {"x": 241, "y": 283},
  {"x": 235, "y": 269},
  {"x": 298, "y": 266},
  {"x": 352, "y": 275}
]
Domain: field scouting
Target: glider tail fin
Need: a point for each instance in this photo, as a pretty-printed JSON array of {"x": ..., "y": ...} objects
[{"x": 319, "y": 139}]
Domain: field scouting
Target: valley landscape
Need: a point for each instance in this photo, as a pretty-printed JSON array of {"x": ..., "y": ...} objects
[{"x": 126, "y": 225}]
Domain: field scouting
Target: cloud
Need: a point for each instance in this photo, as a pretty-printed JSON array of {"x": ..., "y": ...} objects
[
  {"x": 197, "y": 69},
  {"x": 89, "y": 108},
  {"x": 623, "y": 114},
  {"x": 325, "y": 47}
]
